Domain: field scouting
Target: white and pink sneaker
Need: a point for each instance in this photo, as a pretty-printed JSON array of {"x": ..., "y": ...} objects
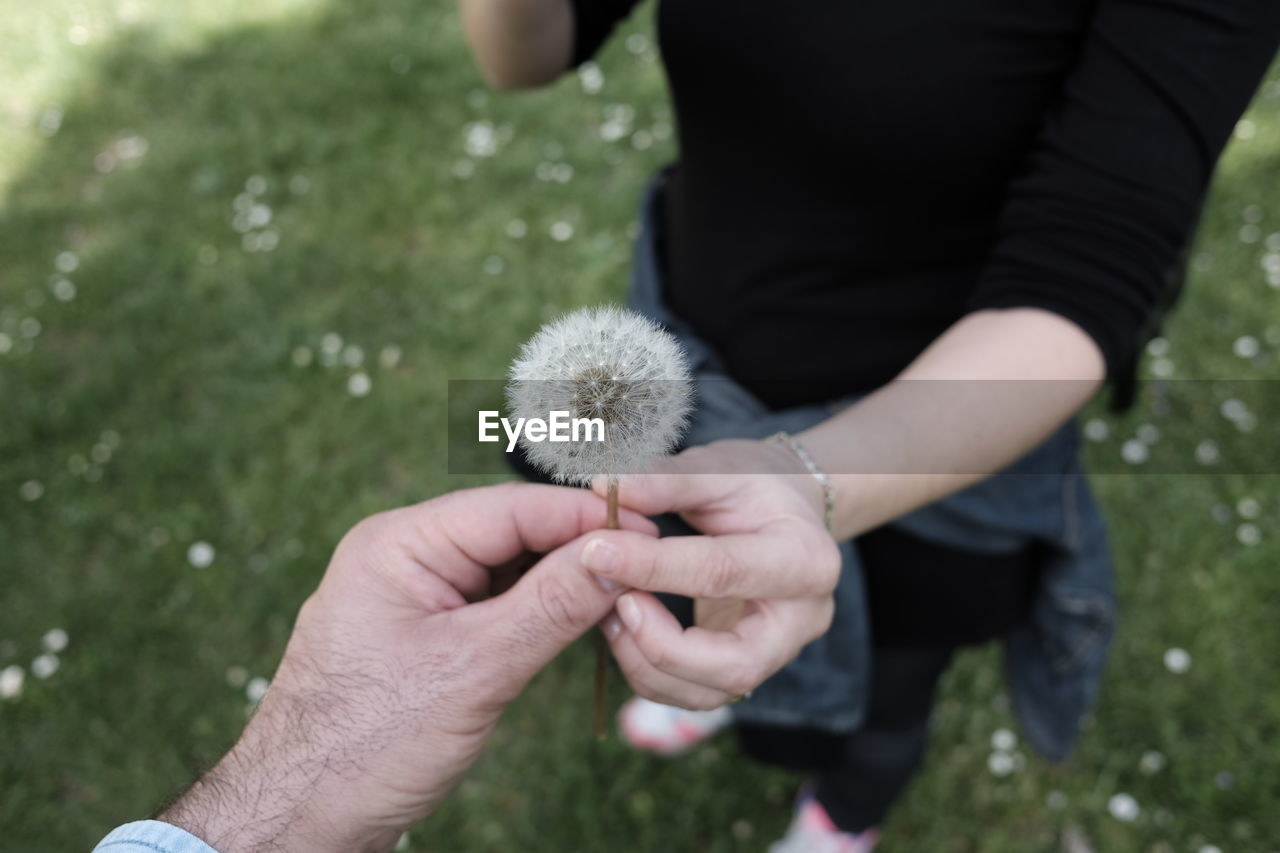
[
  {"x": 667, "y": 730},
  {"x": 813, "y": 831}
]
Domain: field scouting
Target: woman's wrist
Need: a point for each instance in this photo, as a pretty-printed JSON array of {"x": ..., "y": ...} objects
[{"x": 825, "y": 483}]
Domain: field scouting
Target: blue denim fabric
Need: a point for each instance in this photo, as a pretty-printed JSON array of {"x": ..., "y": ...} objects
[
  {"x": 1053, "y": 662},
  {"x": 151, "y": 836}
]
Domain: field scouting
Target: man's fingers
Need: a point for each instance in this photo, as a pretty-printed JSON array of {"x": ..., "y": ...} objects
[
  {"x": 785, "y": 560},
  {"x": 520, "y": 631},
  {"x": 459, "y": 536}
]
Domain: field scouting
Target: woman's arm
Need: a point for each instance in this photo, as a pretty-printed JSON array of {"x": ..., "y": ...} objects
[
  {"x": 991, "y": 388},
  {"x": 519, "y": 44}
]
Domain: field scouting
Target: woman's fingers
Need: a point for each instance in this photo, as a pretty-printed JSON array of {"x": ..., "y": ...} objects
[
  {"x": 652, "y": 683},
  {"x": 729, "y": 662},
  {"x": 788, "y": 559}
]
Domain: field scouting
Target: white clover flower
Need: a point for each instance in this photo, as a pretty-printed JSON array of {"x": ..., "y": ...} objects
[
  {"x": 1124, "y": 807},
  {"x": 604, "y": 363}
]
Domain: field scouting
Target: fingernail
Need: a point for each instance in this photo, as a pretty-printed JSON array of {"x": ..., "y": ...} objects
[
  {"x": 629, "y": 611},
  {"x": 606, "y": 584},
  {"x": 600, "y": 556},
  {"x": 611, "y": 626}
]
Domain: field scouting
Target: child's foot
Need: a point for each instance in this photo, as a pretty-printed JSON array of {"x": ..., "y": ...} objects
[
  {"x": 668, "y": 730},
  {"x": 813, "y": 831}
]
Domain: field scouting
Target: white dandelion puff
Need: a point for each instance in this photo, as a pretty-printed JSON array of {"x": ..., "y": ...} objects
[{"x": 610, "y": 364}]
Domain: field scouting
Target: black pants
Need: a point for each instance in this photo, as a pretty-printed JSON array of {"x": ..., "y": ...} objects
[{"x": 925, "y": 601}]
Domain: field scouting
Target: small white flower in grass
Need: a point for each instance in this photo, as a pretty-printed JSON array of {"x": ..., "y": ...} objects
[
  {"x": 591, "y": 77},
  {"x": 359, "y": 385},
  {"x": 561, "y": 231},
  {"x": 390, "y": 356},
  {"x": 603, "y": 363},
  {"x": 1210, "y": 848},
  {"x": 54, "y": 640},
  {"x": 44, "y": 666},
  {"x": 1246, "y": 346},
  {"x": 1096, "y": 429},
  {"x": 1003, "y": 740},
  {"x": 11, "y": 679},
  {"x": 1152, "y": 762},
  {"x": 517, "y": 228},
  {"x": 66, "y": 262},
  {"x": 256, "y": 689},
  {"x": 1177, "y": 661},
  {"x": 1233, "y": 409},
  {"x": 1248, "y": 534},
  {"x": 1124, "y": 807},
  {"x": 200, "y": 555},
  {"x": 1000, "y": 763},
  {"x": 1249, "y": 508},
  {"x": 63, "y": 289},
  {"x": 352, "y": 355},
  {"x": 1134, "y": 452},
  {"x": 1207, "y": 452},
  {"x": 31, "y": 490},
  {"x": 237, "y": 676},
  {"x": 1148, "y": 434}
]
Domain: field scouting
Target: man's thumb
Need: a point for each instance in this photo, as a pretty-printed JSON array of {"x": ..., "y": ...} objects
[{"x": 556, "y": 601}]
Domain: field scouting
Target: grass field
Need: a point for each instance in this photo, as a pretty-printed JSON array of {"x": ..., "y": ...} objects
[{"x": 244, "y": 245}]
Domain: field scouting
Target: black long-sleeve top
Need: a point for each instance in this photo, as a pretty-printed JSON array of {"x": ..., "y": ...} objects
[{"x": 855, "y": 177}]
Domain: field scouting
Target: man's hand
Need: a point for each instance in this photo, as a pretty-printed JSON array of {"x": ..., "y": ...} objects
[
  {"x": 399, "y": 667},
  {"x": 765, "y": 544}
]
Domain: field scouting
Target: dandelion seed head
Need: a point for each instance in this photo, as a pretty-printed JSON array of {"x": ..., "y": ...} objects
[{"x": 603, "y": 363}]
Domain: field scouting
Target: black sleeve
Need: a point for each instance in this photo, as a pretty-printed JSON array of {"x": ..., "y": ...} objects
[
  {"x": 1112, "y": 189},
  {"x": 593, "y": 21}
]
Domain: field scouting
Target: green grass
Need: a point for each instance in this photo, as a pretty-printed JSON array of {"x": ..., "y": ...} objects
[{"x": 182, "y": 343}]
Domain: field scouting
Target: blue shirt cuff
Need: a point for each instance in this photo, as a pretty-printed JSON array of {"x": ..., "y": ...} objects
[{"x": 151, "y": 836}]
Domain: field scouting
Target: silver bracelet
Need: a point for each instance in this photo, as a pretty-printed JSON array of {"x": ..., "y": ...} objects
[{"x": 828, "y": 488}]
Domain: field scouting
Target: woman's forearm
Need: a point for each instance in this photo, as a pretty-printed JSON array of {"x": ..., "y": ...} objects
[
  {"x": 519, "y": 43},
  {"x": 991, "y": 388}
]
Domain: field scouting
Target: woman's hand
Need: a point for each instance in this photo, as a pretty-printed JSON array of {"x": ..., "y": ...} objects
[{"x": 765, "y": 544}]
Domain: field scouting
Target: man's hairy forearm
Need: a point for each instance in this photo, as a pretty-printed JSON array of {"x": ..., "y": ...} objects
[{"x": 267, "y": 794}]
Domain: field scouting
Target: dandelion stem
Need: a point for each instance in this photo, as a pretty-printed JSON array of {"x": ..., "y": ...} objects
[{"x": 602, "y": 645}]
